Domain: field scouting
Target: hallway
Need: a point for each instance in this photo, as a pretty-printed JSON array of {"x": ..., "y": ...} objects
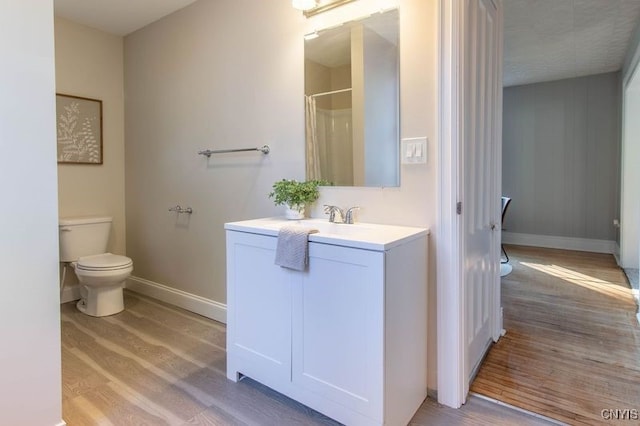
[{"x": 572, "y": 345}]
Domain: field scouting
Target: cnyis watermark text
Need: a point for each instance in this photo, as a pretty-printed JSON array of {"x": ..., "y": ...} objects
[{"x": 620, "y": 414}]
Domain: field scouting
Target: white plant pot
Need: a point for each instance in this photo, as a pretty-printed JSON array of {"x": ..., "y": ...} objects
[{"x": 294, "y": 212}]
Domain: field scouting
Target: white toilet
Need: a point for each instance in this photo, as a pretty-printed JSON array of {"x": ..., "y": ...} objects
[{"x": 83, "y": 242}]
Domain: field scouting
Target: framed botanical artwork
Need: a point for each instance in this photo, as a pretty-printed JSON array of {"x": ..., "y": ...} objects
[{"x": 79, "y": 129}]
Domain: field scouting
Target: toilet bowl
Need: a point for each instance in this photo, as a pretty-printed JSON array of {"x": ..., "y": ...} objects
[
  {"x": 83, "y": 243},
  {"x": 102, "y": 278}
]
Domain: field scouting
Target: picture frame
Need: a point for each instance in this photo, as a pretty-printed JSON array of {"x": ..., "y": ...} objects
[{"x": 78, "y": 129}]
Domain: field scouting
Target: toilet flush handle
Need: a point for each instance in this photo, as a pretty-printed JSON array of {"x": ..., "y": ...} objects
[{"x": 65, "y": 229}]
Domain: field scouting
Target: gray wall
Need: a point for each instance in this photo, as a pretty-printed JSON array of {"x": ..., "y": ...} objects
[
  {"x": 561, "y": 157},
  {"x": 194, "y": 81}
]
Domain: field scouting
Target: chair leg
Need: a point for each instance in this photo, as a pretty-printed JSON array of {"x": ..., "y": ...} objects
[{"x": 505, "y": 255}]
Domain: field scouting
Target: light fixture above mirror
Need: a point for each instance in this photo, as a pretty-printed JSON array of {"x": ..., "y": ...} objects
[
  {"x": 303, "y": 4},
  {"x": 313, "y": 7}
]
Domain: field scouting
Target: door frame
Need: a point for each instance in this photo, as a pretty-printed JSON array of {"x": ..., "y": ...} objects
[
  {"x": 498, "y": 326},
  {"x": 451, "y": 313},
  {"x": 450, "y": 302}
]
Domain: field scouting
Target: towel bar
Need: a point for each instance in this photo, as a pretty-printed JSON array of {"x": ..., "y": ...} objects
[{"x": 264, "y": 149}]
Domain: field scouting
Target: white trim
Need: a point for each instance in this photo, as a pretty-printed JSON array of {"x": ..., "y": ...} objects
[
  {"x": 627, "y": 78},
  {"x": 565, "y": 243},
  {"x": 70, "y": 293},
  {"x": 636, "y": 296},
  {"x": 497, "y": 324},
  {"x": 630, "y": 64},
  {"x": 518, "y": 409},
  {"x": 616, "y": 253},
  {"x": 191, "y": 302},
  {"x": 450, "y": 312}
]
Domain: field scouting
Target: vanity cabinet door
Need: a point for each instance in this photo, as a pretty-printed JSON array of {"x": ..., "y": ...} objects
[
  {"x": 258, "y": 310},
  {"x": 338, "y": 327}
]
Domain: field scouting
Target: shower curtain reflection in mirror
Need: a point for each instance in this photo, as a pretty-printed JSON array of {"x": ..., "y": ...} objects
[{"x": 329, "y": 140}]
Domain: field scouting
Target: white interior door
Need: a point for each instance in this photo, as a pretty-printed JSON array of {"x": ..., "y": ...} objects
[{"x": 480, "y": 192}]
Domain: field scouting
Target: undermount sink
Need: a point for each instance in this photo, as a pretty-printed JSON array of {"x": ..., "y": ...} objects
[{"x": 360, "y": 235}]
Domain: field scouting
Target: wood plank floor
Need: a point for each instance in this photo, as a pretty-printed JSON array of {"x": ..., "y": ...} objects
[
  {"x": 572, "y": 347},
  {"x": 155, "y": 364}
]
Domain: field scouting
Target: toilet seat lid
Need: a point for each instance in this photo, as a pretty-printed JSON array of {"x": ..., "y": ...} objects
[{"x": 102, "y": 262}]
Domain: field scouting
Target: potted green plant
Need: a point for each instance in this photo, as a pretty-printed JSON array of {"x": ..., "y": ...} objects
[{"x": 296, "y": 195}]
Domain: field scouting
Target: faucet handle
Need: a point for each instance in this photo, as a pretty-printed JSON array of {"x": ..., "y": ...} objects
[
  {"x": 349, "y": 215},
  {"x": 331, "y": 211}
]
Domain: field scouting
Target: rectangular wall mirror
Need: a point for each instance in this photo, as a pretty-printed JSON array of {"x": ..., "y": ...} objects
[{"x": 352, "y": 102}]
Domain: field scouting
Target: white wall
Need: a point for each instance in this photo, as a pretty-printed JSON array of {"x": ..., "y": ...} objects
[
  {"x": 89, "y": 63},
  {"x": 229, "y": 74},
  {"x": 630, "y": 174},
  {"x": 630, "y": 203},
  {"x": 29, "y": 306}
]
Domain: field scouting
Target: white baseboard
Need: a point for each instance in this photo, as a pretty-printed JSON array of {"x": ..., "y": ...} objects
[
  {"x": 616, "y": 253},
  {"x": 70, "y": 293},
  {"x": 565, "y": 243},
  {"x": 432, "y": 393},
  {"x": 191, "y": 302}
]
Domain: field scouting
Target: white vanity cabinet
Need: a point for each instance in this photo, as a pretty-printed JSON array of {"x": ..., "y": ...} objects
[
  {"x": 258, "y": 309},
  {"x": 347, "y": 336}
]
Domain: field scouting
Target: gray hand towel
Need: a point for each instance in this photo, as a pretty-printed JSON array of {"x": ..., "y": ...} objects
[{"x": 293, "y": 247}]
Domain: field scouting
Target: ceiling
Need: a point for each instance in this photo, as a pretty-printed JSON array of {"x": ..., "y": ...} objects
[
  {"x": 119, "y": 17},
  {"x": 548, "y": 40},
  {"x": 544, "y": 39}
]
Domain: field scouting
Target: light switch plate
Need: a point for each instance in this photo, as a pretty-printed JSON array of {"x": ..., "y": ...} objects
[{"x": 414, "y": 150}]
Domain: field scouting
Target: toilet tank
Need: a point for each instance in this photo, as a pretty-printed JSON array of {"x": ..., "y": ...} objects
[{"x": 83, "y": 236}]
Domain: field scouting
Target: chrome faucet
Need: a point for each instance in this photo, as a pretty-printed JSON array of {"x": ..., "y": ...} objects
[
  {"x": 336, "y": 215},
  {"x": 334, "y": 211},
  {"x": 348, "y": 218}
]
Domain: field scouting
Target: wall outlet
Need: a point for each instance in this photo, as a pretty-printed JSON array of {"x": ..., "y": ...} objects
[{"x": 413, "y": 150}]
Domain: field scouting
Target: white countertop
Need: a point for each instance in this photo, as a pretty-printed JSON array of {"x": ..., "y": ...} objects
[{"x": 368, "y": 236}]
